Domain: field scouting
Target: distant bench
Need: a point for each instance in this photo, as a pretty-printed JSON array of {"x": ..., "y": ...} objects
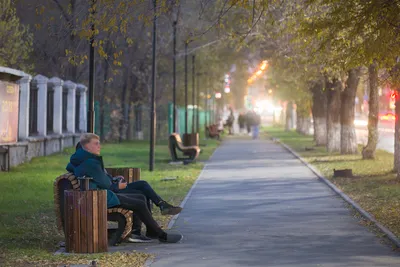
[
  {"x": 175, "y": 144},
  {"x": 212, "y": 131},
  {"x": 122, "y": 216}
]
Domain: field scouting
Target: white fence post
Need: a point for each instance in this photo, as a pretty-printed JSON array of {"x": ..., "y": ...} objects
[
  {"x": 41, "y": 82},
  {"x": 83, "y": 108},
  {"x": 23, "y": 123},
  {"x": 71, "y": 87},
  {"x": 57, "y": 85}
]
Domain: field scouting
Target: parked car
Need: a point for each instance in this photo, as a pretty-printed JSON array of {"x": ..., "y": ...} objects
[{"x": 387, "y": 116}]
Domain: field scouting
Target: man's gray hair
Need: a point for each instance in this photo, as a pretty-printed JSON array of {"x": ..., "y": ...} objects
[{"x": 87, "y": 137}]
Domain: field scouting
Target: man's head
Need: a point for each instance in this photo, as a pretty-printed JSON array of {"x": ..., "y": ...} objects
[{"x": 91, "y": 143}]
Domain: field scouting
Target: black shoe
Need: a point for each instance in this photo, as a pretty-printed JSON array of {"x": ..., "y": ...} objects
[
  {"x": 168, "y": 209},
  {"x": 151, "y": 234},
  {"x": 170, "y": 238},
  {"x": 138, "y": 239}
]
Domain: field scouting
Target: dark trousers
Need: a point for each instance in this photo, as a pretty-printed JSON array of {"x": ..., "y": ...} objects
[
  {"x": 137, "y": 223},
  {"x": 248, "y": 128},
  {"x": 144, "y": 188},
  {"x": 139, "y": 205}
]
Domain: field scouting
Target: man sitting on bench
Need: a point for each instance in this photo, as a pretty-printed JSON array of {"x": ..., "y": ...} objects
[{"x": 86, "y": 161}]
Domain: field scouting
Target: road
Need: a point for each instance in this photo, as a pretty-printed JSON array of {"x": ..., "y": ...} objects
[{"x": 386, "y": 134}]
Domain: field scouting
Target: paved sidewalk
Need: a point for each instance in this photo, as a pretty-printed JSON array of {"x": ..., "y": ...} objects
[{"x": 255, "y": 204}]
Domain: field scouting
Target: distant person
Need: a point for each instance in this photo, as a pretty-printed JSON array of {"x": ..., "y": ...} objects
[
  {"x": 256, "y": 124},
  {"x": 229, "y": 121},
  {"x": 241, "y": 122},
  {"x": 220, "y": 126},
  {"x": 249, "y": 121}
]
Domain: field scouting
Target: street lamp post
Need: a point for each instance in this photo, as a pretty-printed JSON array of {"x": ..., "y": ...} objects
[
  {"x": 153, "y": 89},
  {"x": 197, "y": 103},
  {"x": 193, "y": 92},
  {"x": 214, "y": 109},
  {"x": 186, "y": 87},
  {"x": 174, "y": 81},
  {"x": 206, "y": 106},
  {"x": 90, "y": 121}
]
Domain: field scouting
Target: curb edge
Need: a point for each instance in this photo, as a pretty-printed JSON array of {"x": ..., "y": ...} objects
[
  {"x": 364, "y": 213},
  {"x": 149, "y": 262}
]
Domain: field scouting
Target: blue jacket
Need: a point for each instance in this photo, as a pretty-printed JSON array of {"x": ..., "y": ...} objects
[{"x": 84, "y": 163}]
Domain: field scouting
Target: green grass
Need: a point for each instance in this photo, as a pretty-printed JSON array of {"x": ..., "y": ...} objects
[
  {"x": 28, "y": 231},
  {"x": 375, "y": 187}
]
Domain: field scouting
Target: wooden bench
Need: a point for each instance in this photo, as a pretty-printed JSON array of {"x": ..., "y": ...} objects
[
  {"x": 212, "y": 131},
  {"x": 122, "y": 216},
  {"x": 175, "y": 143}
]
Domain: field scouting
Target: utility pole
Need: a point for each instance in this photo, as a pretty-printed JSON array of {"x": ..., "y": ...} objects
[
  {"x": 153, "y": 91},
  {"x": 174, "y": 81},
  {"x": 198, "y": 103},
  {"x": 206, "y": 106},
  {"x": 186, "y": 87},
  {"x": 193, "y": 92},
  {"x": 90, "y": 117}
]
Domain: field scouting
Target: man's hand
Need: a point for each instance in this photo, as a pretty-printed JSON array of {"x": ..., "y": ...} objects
[{"x": 122, "y": 185}]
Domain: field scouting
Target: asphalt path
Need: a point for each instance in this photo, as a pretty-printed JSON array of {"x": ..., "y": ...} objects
[{"x": 255, "y": 204}]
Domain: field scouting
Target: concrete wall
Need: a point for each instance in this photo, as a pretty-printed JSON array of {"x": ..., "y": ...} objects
[{"x": 36, "y": 147}]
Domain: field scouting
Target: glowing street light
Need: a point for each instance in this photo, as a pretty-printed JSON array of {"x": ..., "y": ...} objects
[{"x": 263, "y": 67}]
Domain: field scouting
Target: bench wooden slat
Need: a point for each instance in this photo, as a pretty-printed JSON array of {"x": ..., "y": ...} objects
[
  {"x": 84, "y": 225},
  {"x": 103, "y": 234}
]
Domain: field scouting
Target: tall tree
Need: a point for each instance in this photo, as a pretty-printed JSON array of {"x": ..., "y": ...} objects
[
  {"x": 348, "y": 138},
  {"x": 334, "y": 89},
  {"x": 368, "y": 151},
  {"x": 319, "y": 112},
  {"x": 15, "y": 39}
]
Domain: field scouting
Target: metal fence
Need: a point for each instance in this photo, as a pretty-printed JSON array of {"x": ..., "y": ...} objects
[
  {"x": 133, "y": 122},
  {"x": 130, "y": 123}
]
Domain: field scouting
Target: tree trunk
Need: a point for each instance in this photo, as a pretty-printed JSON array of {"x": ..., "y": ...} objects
[
  {"x": 131, "y": 106},
  {"x": 396, "y": 164},
  {"x": 333, "y": 117},
  {"x": 102, "y": 102},
  {"x": 369, "y": 150},
  {"x": 102, "y": 92},
  {"x": 319, "y": 112},
  {"x": 138, "y": 121},
  {"x": 348, "y": 134},
  {"x": 123, "y": 107},
  {"x": 289, "y": 114},
  {"x": 303, "y": 117},
  {"x": 299, "y": 124},
  {"x": 127, "y": 112},
  {"x": 395, "y": 73},
  {"x": 307, "y": 125},
  {"x": 282, "y": 114},
  {"x": 303, "y": 124},
  {"x": 129, "y": 132},
  {"x": 72, "y": 39}
]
